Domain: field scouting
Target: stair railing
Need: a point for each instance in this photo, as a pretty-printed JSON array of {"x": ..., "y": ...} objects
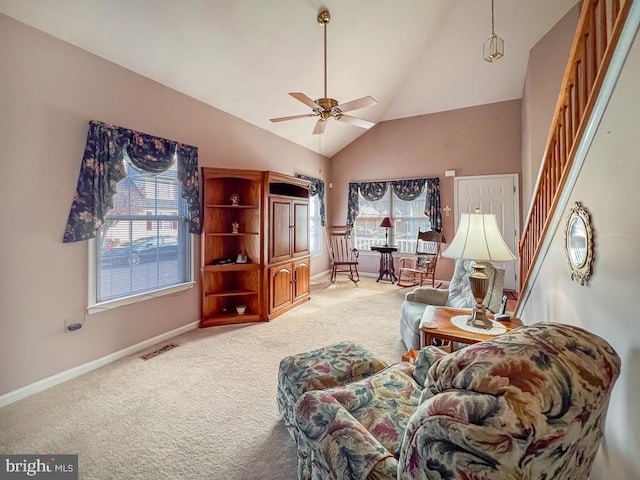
[{"x": 596, "y": 38}]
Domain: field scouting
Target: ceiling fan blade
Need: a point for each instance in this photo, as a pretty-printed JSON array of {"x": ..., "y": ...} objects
[
  {"x": 358, "y": 122},
  {"x": 356, "y": 104},
  {"x": 293, "y": 117},
  {"x": 321, "y": 124},
  {"x": 301, "y": 97}
]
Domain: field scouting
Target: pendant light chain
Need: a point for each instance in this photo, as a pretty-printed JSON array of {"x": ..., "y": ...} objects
[{"x": 493, "y": 31}]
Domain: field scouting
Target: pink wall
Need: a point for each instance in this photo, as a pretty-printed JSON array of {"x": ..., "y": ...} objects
[
  {"x": 607, "y": 186},
  {"x": 545, "y": 70},
  {"x": 49, "y": 90},
  {"x": 479, "y": 140}
]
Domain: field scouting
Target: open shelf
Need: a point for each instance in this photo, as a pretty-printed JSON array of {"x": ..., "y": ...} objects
[
  {"x": 226, "y": 286},
  {"x": 232, "y": 293},
  {"x": 234, "y": 207},
  {"x": 232, "y": 267}
]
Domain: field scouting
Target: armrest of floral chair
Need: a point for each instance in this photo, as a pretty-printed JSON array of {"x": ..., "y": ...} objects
[
  {"x": 527, "y": 404},
  {"x": 338, "y": 445}
]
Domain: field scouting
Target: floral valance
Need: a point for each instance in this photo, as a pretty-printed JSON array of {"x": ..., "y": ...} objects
[
  {"x": 316, "y": 187},
  {"x": 407, "y": 190},
  {"x": 103, "y": 167}
]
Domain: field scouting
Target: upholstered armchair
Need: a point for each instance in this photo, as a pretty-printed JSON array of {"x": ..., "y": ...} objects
[
  {"x": 529, "y": 404},
  {"x": 458, "y": 295}
]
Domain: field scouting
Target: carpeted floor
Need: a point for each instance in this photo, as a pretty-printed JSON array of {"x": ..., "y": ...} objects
[{"x": 206, "y": 409}]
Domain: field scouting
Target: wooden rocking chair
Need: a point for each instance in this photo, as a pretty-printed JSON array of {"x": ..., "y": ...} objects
[
  {"x": 343, "y": 257},
  {"x": 415, "y": 270}
]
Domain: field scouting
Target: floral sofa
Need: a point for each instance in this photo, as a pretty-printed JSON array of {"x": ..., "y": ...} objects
[{"x": 529, "y": 404}]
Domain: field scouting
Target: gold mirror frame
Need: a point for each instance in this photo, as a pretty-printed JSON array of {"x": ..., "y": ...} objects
[{"x": 578, "y": 243}]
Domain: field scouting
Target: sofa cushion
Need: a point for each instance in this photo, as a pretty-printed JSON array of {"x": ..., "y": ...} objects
[
  {"x": 427, "y": 356},
  {"x": 319, "y": 369},
  {"x": 382, "y": 403}
]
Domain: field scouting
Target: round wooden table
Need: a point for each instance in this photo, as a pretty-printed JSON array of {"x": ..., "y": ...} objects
[{"x": 386, "y": 262}]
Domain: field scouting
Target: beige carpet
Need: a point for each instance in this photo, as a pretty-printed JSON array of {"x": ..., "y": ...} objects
[{"x": 206, "y": 409}]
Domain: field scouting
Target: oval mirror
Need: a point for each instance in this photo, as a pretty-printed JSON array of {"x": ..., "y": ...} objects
[{"x": 578, "y": 243}]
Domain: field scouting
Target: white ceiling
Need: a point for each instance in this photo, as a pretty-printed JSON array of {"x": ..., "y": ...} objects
[{"x": 244, "y": 56}]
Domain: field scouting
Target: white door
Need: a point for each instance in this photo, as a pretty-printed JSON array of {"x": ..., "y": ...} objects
[{"x": 497, "y": 194}]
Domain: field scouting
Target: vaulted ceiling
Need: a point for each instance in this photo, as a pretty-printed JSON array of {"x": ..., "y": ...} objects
[{"x": 244, "y": 56}]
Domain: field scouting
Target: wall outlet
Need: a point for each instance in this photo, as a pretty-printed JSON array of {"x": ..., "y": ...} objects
[{"x": 71, "y": 325}]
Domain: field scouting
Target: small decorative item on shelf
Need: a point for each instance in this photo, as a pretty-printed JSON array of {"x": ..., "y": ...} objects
[
  {"x": 235, "y": 199},
  {"x": 221, "y": 261},
  {"x": 241, "y": 309},
  {"x": 234, "y": 227},
  {"x": 242, "y": 257}
]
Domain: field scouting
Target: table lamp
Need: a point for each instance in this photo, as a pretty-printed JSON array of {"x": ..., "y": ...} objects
[
  {"x": 387, "y": 223},
  {"x": 478, "y": 238}
]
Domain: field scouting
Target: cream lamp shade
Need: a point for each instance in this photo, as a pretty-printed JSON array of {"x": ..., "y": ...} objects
[{"x": 478, "y": 238}]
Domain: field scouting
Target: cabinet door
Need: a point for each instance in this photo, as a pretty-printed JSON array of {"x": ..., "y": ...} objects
[
  {"x": 280, "y": 287},
  {"x": 302, "y": 274},
  {"x": 280, "y": 223},
  {"x": 301, "y": 228}
]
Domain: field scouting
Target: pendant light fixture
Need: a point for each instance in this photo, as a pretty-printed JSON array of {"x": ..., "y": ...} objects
[{"x": 494, "y": 45}]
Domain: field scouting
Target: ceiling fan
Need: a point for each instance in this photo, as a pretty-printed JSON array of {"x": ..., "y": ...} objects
[{"x": 325, "y": 108}]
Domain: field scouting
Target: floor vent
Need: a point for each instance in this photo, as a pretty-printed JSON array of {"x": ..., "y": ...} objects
[{"x": 158, "y": 351}]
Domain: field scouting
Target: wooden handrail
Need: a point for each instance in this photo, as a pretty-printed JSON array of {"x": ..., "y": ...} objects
[{"x": 596, "y": 38}]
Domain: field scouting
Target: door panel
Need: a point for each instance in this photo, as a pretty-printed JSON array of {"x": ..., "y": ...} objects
[
  {"x": 280, "y": 289},
  {"x": 301, "y": 228},
  {"x": 302, "y": 278},
  {"x": 279, "y": 229},
  {"x": 497, "y": 194}
]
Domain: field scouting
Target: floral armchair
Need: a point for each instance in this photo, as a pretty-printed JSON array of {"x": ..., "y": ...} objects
[{"x": 529, "y": 404}]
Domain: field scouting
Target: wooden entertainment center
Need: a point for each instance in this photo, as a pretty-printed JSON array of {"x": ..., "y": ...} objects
[{"x": 255, "y": 245}]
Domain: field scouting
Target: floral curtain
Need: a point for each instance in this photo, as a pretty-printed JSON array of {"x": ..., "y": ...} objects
[
  {"x": 353, "y": 209},
  {"x": 432, "y": 205},
  {"x": 103, "y": 167},
  {"x": 406, "y": 190},
  {"x": 316, "y": 187},
  {"x": 371, "y": 191}
]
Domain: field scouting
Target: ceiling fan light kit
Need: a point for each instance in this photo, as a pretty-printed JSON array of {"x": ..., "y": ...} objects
[
  {"x": 325, "y": 108},
  {"x": 494, "y": 45}
]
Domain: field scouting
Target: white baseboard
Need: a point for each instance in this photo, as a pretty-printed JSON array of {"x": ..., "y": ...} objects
[
  {"x": 321, "y": 274},
  {"x": 58, "y": 378},
  {"x": 328, "y": 272}
]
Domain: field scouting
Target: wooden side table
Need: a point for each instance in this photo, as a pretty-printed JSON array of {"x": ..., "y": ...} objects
[
  {"x": 443, "y": 329},
  {"x": 386, "y": 262}
]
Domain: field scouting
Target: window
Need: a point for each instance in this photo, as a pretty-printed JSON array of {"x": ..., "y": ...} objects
[
  {"x": 408, "y": 217},
  {"x": 144, "y": 244},
  {"x": 315, "y": 225}
]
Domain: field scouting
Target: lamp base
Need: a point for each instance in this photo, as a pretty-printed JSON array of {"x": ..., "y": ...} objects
[
  {"x": 479, "y": 318},
  {"x": 479, "y": 283}
]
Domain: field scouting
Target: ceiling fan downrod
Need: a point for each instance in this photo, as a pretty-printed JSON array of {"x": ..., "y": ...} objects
[
  {"x": 323, "y": 19},
  {"x": 325, "y": 108}
]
